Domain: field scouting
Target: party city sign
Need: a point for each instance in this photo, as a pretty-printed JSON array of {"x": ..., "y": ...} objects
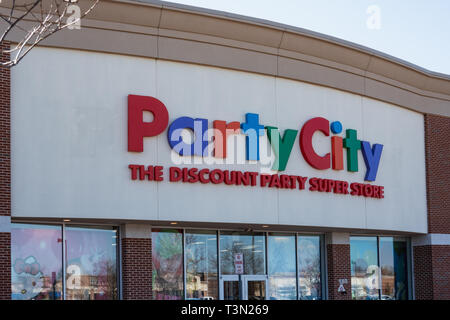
[{"x": 212, "y": 143}]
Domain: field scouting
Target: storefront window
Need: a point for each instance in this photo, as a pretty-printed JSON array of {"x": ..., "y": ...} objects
[
  {"x": 309, "y": 275},
  {"x": 167, "y": 257},
  {"x": 394, "y": 284},
  {"x": 364, "y": 266},
  {"x": 250, "y": 245},
  {"x": 379, "y": 268},
  {"x": 201, "y": 265},
  {"x": 36, "y": 262},
  {"x": 91, "y": 270},
  {"x": 282, "y": 269}
]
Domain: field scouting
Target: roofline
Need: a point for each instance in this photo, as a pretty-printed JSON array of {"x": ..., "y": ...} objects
[
  {"x": 181, "y": 33},
  {"x": 293, "y": 29}
]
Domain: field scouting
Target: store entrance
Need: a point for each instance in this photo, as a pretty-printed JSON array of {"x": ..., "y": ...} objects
[{"x": 243, "y": 287}]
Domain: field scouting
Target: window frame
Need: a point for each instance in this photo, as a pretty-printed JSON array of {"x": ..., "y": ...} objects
[
  {"x": 409, "y": 264},
  {"x": 265, "y": 232},
  {"x": 63, "y": 226}
]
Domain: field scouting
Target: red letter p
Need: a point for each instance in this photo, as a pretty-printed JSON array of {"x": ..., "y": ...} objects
[{"x": 137, "y": 128}]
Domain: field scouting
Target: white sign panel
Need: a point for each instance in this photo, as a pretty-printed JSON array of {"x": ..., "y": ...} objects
[
  {"x": 70, "y": 153},
  {"x": 238, "y": 263}
]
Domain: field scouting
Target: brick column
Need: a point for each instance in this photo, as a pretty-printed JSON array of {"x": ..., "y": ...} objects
[
  {"x": 5, "y": 179},
  {"x": 338, "y": 265},
  {"x": 432, "y": 251},
  {"x": 136, "y": 262}
]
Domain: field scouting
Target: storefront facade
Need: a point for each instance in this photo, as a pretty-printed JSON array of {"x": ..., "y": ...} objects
[{"x": 188, "y": 154}]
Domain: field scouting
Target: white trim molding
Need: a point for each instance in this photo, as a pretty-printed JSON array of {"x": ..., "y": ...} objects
[
  {"x": 138, "y": 231},
  {"x": 5, "y": 224},
  {"x": 432, "y": 239},
  {"x": 337, "y": 238}
]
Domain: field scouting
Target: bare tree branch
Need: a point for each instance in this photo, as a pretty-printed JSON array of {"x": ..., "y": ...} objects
[
  {"x": 12, "y": 9},
  {"x": 46, "y": 18},
  {"x": 11, "y": 25}
]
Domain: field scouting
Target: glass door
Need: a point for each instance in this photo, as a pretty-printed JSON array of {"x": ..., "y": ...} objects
[
  {"x": 243, "y": 287},
  {"x": 254, "y": 287},
  {"x": 229, "y": 287}
]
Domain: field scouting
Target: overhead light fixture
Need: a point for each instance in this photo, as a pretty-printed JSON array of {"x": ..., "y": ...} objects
[
  {"x": 265, "y": 226},
  {"x": 66, "y": 220},
  {"x": 174, "y": 223}
]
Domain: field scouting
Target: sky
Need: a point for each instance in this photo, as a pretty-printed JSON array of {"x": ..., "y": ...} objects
[{"x": 417, "y": 31}]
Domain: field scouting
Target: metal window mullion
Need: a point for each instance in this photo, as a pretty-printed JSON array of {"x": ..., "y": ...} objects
[
  {"x": 219, "y": 270},
  {"x": 322, "y": 267},
  {"x": 266, "y": 251},
  {"x": 119, "y": 263},
  {"x": 184, "y": 263},
  {"x": 324, "y": 275},
  {"x": 409, "y": 269},
  {"x": 297, "y": 284},
  {"x": 379, "y": 268},
  {"x": 64, "y": 262}
]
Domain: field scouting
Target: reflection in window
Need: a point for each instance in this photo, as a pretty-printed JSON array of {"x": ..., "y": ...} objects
[
  {"x": 167, "y": 259},
  {"x": 201, "y": 265},
  {"x": 36, "y": 262},
  {"x": 231, "y": 290},
  {"x": 308, "y": 251},
  {"x": 91, "y": 270},
  {"x": 256, "y": 290},
  {"x": 251, "y": 245},
  {"x": 394, "y": 285},
  {"x": 282, "y": 269},
  {"x": 364, "y": 266},
  {"x": 372, "y": 279}
]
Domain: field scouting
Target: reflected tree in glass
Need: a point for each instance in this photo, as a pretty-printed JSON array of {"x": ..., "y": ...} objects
[
  {"x": 309, "y": 268},
  {"x": 36, "y": 262},
  {"x": 282, "y": 269},
  {"x": 387, "y": 268},
  {"x": 201, "y": 265},
  {"x": 251, "y": 245},
  {"x": 364, "y": 268},
  {"x": 167, "y": 259},
  {"x": 91, "y": 256}
]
